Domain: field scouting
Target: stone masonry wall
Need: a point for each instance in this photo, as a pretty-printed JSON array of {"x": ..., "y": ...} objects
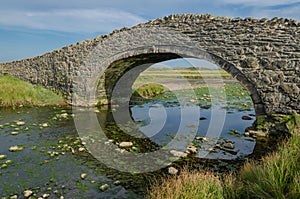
[{"x": 265, "y": 52}]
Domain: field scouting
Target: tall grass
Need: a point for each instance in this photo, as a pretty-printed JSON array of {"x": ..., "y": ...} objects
[
  {"x": 277, "y": 175},
  {"x": 204, "y": 185},
  {"x": 15, "y": 92}
]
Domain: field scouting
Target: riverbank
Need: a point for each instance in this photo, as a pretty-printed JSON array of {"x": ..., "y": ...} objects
[
  {"x": 276, "y": 175},
  {"x": 18, "y": 93}
]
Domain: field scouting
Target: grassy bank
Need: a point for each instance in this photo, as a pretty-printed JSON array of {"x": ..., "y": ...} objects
[
  {"x": 15, "y": 93},
  {"x": 277, "y": 175}
]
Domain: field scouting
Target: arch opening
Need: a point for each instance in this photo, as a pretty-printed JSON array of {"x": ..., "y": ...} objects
[
  {"x": 141, "y": 64},
  {"x": 119, "y": 67}
]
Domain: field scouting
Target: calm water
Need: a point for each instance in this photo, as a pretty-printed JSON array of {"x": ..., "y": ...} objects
[{"x": 53, "y": 157}]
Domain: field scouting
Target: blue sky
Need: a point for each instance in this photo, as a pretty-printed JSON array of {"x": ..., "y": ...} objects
[{"x": 33, "y": 27}]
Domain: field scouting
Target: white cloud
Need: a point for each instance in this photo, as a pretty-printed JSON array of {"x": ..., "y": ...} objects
[
  {"x": 292, "y": 12},
  {"x": 71, "y": 20},
  {"x": 260, "y": 2}
]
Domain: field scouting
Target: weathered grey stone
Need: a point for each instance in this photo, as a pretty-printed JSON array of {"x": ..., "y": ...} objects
[{"x": 263, "y": 54}]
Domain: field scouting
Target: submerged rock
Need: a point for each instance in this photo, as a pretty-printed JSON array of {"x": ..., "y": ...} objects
[
  {"x": 232, "y": 151},
  {"x": 245, "y": 117},
  {"x": 228, "y": 145}
]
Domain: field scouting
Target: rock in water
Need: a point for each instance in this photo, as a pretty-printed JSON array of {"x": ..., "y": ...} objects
[
  {"x": 228, "y": 145},
  {"x": 192, "y": 149},
  {"x": 245, "y": 117},
  {"x": 104, "y": 187},
  {"x": 27, "y": 193}
]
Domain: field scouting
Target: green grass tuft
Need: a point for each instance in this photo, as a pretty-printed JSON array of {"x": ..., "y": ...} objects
[
  {"x": 149, "y": 90},
  {"x": 15, "y": 93}
]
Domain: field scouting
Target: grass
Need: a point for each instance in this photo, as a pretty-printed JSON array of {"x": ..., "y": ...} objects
[
  {"x": 149, "y": 90},
  {"x": 190, "y": 185},
  {"x": 15, "y": 93},
  {"x": 277, "y": 175}
]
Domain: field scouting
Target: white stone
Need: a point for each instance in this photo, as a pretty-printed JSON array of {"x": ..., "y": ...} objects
[
  {"x": 14, "y": 133},
  {"x": 83, "y": 175},
  {"x": 27, "y": 193},
  {"x": 126, "y": 144},
  {"x": 44, "y": 125},
  {"x": 20, "y": 123},
  {"x": 2, "y": 157},
  {"x": 15, "y": 148},
  {"x": 172, "y": 170},
  {"x": 104, "y": 187}
]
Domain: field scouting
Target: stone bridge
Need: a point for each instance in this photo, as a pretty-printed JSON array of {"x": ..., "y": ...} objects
[{"x": 262, "y": 54}]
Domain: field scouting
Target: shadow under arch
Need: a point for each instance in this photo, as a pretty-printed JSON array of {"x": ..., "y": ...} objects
[{"x": 145, "y": 57}]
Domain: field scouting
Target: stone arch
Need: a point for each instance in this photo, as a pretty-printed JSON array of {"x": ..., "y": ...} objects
[
  {"x": 155, "y": 54},
  {"x": 263, "y": 54}
]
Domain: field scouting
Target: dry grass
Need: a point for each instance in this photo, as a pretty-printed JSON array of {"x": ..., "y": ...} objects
[{"x": 189, "y": 184}]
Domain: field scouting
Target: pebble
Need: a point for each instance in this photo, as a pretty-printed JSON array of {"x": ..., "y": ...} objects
[
  {"x": 15, "y": 148},
  {"x": 14, "y": 197},
  {"x": 126, "y": 144},
  {"x": 117, "y": 182},
  {"x": 20, "y": 123},
  {"x": 228, "y": 145},
  {"x": 104, "y": 187},
  {"x": 172, "y": 170},
  {"x": 44, "y": 125},
  {"x": 46, "y": 195},
  {"x": 14, "y": 133},
  {"x": 83, "y": 176},
  {"x": 2, "y": 157},
  {"x": 204, "y": 139},
  {"x": 81, "y": 149},
  {"x": 27, "y": 193}
]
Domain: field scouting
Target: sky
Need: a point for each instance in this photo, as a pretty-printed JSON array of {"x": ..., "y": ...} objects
[{"x": 30, "y": 28}]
